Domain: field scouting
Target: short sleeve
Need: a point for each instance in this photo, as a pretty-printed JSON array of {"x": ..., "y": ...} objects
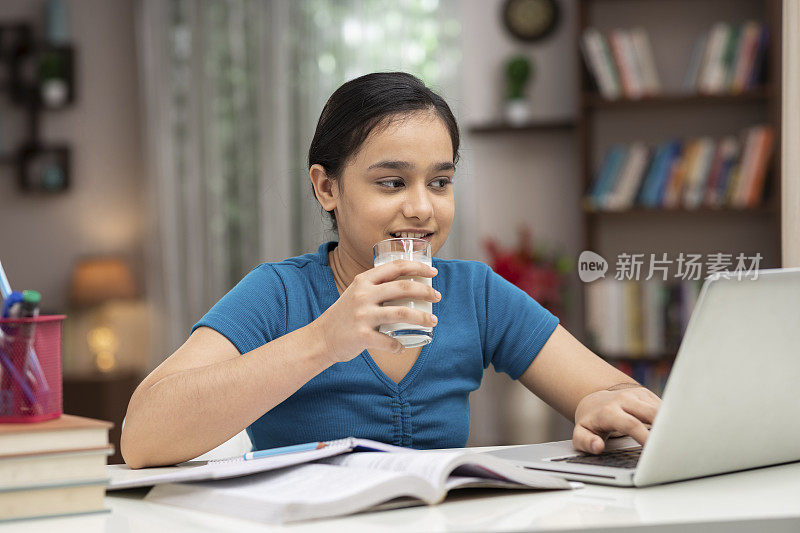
[
  {"x": 517, "y": 326},
  {"x": 252, "y": 313}
]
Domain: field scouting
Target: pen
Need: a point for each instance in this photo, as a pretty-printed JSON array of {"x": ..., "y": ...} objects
[
  {"x": 284, "y": 449},
  {"x": 5, "y": 287},
  {"x": 18, "y": 305},
  {"x": 13, "y": 298},
  {"x": 30, "y": 309}
]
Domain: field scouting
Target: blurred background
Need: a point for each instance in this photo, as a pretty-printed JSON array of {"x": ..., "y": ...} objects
[{"x": 152, "y": 153}]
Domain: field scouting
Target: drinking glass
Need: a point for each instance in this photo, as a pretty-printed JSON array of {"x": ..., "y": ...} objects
[{"x": 409, "y": 335}]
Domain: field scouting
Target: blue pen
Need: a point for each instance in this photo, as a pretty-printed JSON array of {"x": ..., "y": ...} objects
[
  {"x": 285, "y": 449},
  {"x": 13, "y": 298},
  {"x": 5, "y": 287}
]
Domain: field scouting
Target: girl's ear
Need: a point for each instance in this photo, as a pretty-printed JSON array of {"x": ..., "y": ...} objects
[{"x": 325, "y": 189}]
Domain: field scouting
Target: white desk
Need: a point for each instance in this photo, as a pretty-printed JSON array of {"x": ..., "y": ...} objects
[{"x": 731, "y": 502}]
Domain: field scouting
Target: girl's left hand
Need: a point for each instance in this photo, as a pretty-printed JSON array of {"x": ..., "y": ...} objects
[{"x": 602, "y": 414}]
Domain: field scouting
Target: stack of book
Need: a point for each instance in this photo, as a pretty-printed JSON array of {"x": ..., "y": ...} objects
[
  {"x": 728, "y": 59},
  {"x": 622, "y": 63},
  {"x": 643, "y": 319},
  {"x": 53, "y": 468},
  {"x": 703, "y": 172}
]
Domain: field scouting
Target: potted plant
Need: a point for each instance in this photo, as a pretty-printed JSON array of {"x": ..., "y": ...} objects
[{"x": 519, "y": 70}]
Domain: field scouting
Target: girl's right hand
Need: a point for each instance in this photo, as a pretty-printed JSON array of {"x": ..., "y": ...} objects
[{"x": 350, "y": 325}]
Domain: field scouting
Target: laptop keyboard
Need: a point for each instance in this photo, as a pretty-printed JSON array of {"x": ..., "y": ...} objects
[{"x": 626, "y": 458}]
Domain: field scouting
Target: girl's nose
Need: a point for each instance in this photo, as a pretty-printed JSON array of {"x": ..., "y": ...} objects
[{"x": 418, "y": 204}]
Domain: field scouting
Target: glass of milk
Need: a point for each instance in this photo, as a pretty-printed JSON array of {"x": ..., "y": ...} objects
[{"x": 409, "y": 335}]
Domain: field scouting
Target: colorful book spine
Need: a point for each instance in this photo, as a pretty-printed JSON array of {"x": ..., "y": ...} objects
[{"x": 598, "y": 60}]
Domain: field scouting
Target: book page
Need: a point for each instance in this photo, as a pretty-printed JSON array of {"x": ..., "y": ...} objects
[
  {"x": 296, "y": 493},
  {"x": 433, "y": 466},
  {"x": 436, "y": 466}
]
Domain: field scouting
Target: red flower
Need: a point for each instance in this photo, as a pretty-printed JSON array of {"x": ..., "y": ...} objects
[{"x": 536, "y": 276}]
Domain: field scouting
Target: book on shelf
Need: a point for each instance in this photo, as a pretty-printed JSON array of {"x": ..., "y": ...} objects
[
  {"x": 623, "y": 194},
  {"x": 638, "y": 319},
  {"x": 597, "y": 52},
  {"x": 54, "y": 467},
  {"x": 621, "y": 62},
  {"x": 350, "y": 483},
  {"x": 693, "y": 173},
  {"x": 728, "y": 59}
]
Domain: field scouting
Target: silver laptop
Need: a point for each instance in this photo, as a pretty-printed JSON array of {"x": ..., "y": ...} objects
[{"x": 732, "y": 400}]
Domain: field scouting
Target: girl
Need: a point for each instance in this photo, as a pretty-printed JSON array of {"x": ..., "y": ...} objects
[{"x": 315, "y": 366}]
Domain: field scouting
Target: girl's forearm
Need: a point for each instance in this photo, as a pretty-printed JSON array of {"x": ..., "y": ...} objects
[{"x": 163, "y": 420}]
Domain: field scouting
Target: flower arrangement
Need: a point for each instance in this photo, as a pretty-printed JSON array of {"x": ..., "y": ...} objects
[{"x": 540, "y": 274}]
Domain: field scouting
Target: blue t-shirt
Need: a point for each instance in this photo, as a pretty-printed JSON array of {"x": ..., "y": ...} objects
[{"x": 483, "y": 319}]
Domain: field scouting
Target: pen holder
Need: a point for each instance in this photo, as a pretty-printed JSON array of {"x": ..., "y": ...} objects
[{"x": 30, "y": 368}]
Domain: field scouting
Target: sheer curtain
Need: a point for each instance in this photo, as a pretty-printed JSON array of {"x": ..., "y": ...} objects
[
  {"x": 333, "y": 41},
  {"x": 231, "y": 91}
]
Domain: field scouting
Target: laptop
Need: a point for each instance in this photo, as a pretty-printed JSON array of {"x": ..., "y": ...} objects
[{"x": 732, "y": 400}]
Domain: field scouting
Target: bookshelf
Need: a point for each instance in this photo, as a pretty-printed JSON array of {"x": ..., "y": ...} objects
[{"x": 673, "y": 27}]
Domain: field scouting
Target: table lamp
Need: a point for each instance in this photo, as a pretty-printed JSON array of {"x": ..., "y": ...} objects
[{"x": 95, "y": 282}]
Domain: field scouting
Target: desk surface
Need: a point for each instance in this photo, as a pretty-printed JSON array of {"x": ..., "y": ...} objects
[{"x": 770, "y": 496}]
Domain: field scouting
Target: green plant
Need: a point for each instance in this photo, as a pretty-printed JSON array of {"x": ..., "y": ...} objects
[{"x": 518, "y": 70}]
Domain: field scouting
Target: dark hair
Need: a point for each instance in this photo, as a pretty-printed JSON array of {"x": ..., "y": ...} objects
[{"x": 360, "y": 105}]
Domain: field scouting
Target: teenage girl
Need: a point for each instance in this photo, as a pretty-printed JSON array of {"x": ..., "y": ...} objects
[{"x": 293, "y": 352}]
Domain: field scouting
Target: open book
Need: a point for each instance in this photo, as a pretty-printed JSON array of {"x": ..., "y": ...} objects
[
  {"x": 123, "y": 477},
  {"x": 351, "y": 483}
]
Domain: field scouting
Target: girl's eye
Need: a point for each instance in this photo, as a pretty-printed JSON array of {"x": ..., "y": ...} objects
[
  {"x": 396, "y": 184},
  {"x": 388, "y": 183}
]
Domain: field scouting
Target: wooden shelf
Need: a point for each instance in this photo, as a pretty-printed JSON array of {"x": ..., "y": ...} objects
[
  {"x": 543, "y": 126},
  {"x": 593, "y": 100},
  {"x": 660, "y": 357},
  {"x": 664, "y": 357},
  {"x": 603, "y": 121},
  {"x": 760, "y": 210}
]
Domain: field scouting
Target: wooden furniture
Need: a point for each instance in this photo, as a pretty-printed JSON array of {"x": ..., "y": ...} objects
[
  {"x": 104, "y": 397},
  {"x": 603, "y": 122}
]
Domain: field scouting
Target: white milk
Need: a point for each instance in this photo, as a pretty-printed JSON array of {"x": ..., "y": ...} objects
[{"x": 418, "y": 335}]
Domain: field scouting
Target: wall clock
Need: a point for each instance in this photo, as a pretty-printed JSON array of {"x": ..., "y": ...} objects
[{"x": 531, "y": 20}]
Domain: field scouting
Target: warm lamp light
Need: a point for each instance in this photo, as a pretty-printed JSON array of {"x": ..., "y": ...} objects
[{"x": 96, "y": 281}]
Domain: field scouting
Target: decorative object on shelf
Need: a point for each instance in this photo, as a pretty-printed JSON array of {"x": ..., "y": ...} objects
[
  {"x": 44, "y": 168},
  {"x": 97, "y": 282},
  {"x": 531, "y": 20},
  {"x": 517, "y": 108},
  {"x": 38, "y": 75},
  {"x": 56, "y": 87},
  {"x": 540, "y": 274}
]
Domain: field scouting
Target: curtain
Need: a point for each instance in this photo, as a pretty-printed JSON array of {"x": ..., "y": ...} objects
[
  {"x": 231, "y": 91},
  {"x": 334, "y": 41}
]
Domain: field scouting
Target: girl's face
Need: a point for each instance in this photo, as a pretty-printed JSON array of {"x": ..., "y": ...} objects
[{"x": 400, "y": 179}]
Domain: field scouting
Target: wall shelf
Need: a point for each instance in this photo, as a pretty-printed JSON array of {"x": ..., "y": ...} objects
[
  {"x": 767, "y": 209},
  {"x": 596, "y": 101},
  {"x": 546, "y": 126}
]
